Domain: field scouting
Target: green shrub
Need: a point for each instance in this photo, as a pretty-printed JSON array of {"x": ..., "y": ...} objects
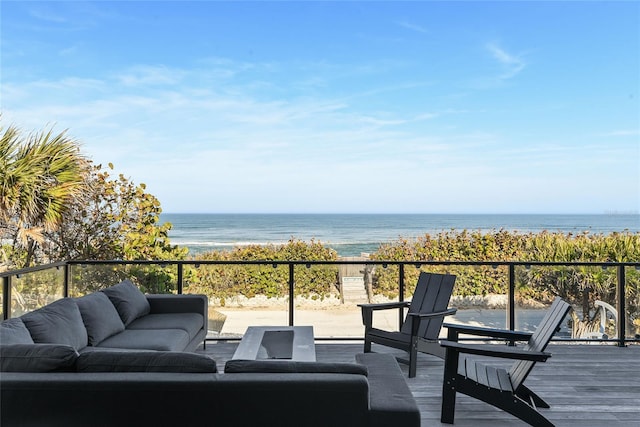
[
  {"x": 539, "y": 283},
  {"x": 222, "y": 281}
]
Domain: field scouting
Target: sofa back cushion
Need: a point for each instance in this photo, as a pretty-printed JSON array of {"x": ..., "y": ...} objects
[
  {"x": 128, "y": 301},
  {"x": 57, "y": 323},
  {"x": 13, "y": 331},
  {"x": 100, "y": 317},
  {"x": 288, "y": 366},
  {"x": 145, "y": 361},
  {"x": 37, "y": 358}
]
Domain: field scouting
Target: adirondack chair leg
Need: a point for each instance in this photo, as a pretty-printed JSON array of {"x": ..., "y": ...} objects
[
  {"x": 519, "y": 408},
  {"x": 413, "y": 357},
  {"x": 367, "y": 343},
  {"x": 506, "y": 401},
  {"x": 448, "y": 402},
  {"x": 527, "y": 395},
  {"x": 447, "y": 412}
]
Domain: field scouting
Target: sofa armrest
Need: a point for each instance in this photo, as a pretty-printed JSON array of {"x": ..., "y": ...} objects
[{"x": 184, "y": 303}]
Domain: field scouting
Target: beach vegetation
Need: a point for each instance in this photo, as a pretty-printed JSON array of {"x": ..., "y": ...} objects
[
  {"x": 535, "y": 284},
  {"x": 223, "y": 281},
  {"x": 114, "y": 219},
  {"x": 56, "y": 204},
  {"x": 41, "y": 174},
  {"x": 580, "y": 285}
]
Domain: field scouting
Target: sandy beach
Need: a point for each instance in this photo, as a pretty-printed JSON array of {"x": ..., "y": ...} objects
[{"x": 346, "y": 322}]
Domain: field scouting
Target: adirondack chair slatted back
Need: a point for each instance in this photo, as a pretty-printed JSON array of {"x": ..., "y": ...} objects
[
  {"x": 539, "y": 340},
  {"x": 432, "y": 294}
]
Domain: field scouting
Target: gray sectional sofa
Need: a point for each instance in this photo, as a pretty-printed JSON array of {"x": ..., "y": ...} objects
[
  {"x": 116, "y": 318},
  {"x": 74, "y": 363}
]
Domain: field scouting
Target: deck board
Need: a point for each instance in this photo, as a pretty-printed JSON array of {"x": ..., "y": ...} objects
[{"x": 587, "y": 385}]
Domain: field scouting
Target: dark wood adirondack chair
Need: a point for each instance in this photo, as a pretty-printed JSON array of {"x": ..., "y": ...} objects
[
  {"x": 421, "y": 327},
  {"x": 493, "y": 385}
]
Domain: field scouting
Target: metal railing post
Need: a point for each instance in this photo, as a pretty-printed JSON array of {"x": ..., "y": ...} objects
[
  {"x": 401, "y": 293},
  {"x": 6, "y": 297},
  {"x": 291, "y": 293},
  {"x": 621, "y": 307},
  {"x": 511, "y": 302},
  {"x": 67, "y": 275},
  {"x": 180, "y": 278}
]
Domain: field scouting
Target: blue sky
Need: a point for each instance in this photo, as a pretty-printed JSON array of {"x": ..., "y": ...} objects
[{"x": 367, "y": 107}]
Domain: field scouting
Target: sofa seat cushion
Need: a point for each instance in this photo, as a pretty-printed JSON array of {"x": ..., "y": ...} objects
[
  {"x": 57, "y": 323},
  {"x": 289, "y": 366},
  {"x": 37, "y": 358},
  {"x": 148, "y": 339},
  {"x": 14, "y": 331},
  {"x": 191, "y": 323},
  {"x": 100, "y": 317},
  {"x": 128, "y": 301},
  {"x": 145, "y": 361}
]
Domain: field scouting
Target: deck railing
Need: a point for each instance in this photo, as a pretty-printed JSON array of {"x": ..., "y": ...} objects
[{"x": 58, "y": 280}]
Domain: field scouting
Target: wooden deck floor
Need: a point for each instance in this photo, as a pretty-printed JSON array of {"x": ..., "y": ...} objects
[{"x": 586, "y": 385}]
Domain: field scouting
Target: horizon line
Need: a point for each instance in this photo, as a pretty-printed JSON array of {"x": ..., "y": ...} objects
[{"x": 606, "y": 213}]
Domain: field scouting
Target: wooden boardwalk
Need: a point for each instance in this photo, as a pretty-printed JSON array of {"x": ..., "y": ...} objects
[{"x": 586, "y": 385}]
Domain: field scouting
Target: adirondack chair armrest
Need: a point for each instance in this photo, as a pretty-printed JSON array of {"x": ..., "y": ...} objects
[
  {"x": 448, "y": 312},
  {"x": 384, "y": 305},
  {"x": 504, "y": 352},
  {"x": 454, "y": 330},
  {"x": 368, "y": 309}
]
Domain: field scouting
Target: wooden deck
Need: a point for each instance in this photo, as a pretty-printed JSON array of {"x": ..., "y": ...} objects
[{"x": 586, "y": 385}]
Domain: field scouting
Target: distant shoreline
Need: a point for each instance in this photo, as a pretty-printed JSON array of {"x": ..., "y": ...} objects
[
  {"x": 605, "y": 213},
  {"x": 352, "y": 234}
]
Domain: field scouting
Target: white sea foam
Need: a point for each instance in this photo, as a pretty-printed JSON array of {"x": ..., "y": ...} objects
[{"x": 224, "y": 244}]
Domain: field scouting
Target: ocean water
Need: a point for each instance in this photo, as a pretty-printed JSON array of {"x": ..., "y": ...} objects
[{"x": 353, "y": 234}]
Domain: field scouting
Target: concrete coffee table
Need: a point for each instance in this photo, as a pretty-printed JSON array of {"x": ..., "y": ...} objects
[{"x": 277, "y": 342}]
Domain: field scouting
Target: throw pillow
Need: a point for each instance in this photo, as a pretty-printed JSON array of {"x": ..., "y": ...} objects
[
  {"x": 57, "y": 323},
  {"x": 128, "y": 300},
  {"x": 37, "y": 358},
  {"x": 145, "y": 361},
  {"x": 288, "y": 366},
  {"x": 100, "y": 317},
  {"x": 13, "y": 331}
]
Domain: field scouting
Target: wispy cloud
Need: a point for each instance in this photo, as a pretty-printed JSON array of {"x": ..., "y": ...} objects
[
  {"x": 512, "y": 64},
  {"x": 412, "y": 26},
  {"x": 44, "y": 13},
  {"x": 173, "y": 128},
  {"x": 623, "y": 133},
  {"x": 150, "y": 75},
  {"x": 69, "y": 51}
]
